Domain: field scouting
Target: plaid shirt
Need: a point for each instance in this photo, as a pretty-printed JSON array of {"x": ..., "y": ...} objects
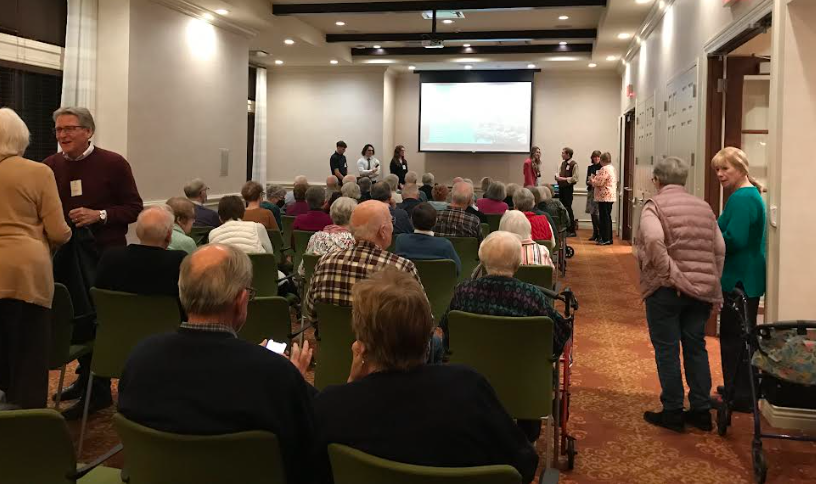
[
  {"x": 209, "y": 327},
  {"x": 336, "y": 273},
  {"x": 456, "y": 222}
]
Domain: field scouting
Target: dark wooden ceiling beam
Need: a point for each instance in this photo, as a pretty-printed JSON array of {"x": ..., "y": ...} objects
[
  {"x": 487, "y": 49},
  {"x": 483, "y": 35},
  {"x": 424, "y": 5}
]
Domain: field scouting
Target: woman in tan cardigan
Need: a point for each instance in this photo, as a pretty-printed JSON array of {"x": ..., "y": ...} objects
[{"x": 31, "y": 221}]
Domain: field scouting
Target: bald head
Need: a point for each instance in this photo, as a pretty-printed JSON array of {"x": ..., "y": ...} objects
[
  {"x": 457, "y": 180},
  {"x": 213, "y": 282},
  {"x": 500, "y": 253},
  {"x": 331, "y": 182},
  {"x": 349, "y": 179},
  {"x": 154, "y": 226},
  {"x": 410, "y": 190},
  {"x": 462, "y": 195},
  {"x": 371, "y": 221}
]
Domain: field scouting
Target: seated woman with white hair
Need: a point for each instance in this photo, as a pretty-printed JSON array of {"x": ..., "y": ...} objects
[
  {"x": 335, "y": 236},
  {"x": 532, "y": 253}
]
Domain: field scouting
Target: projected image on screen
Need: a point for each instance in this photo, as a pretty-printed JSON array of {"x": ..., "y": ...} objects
[{"x": 475, "y": 117}]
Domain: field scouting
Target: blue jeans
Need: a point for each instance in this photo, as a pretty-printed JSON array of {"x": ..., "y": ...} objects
[{"x": 674, "y": 318}]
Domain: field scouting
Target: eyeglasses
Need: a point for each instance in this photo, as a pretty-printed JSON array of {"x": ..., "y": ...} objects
[
  {"x": 251, "y": 292},
  {"x": 67, "y": 129}
]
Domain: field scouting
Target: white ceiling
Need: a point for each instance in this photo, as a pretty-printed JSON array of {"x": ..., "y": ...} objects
[{"x": 311, "y": 49}]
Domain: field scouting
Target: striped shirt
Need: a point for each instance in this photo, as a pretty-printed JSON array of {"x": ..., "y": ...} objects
[
  {"x": 456, "y": 222},
  {"x": 336, "y": 273},
  {"x": 533, "y": 254}
]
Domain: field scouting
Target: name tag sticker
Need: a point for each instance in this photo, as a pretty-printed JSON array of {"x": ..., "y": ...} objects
[{"x": 76, "y": 188}]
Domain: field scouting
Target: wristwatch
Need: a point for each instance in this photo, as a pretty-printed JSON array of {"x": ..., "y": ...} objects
[{"x": 103, "y": 216}]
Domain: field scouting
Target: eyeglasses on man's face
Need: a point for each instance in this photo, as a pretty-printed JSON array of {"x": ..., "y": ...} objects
[{"x": 67, "y": 129}]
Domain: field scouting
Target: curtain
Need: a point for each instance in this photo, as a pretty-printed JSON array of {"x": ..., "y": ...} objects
[
  {"x": 79, "y": 65},
  {"x": 259, "y": 143}
]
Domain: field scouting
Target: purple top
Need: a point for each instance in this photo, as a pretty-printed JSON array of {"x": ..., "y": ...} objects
[
  {"x": 486, "y": 205},
  {"x": 313, "y": 221}
]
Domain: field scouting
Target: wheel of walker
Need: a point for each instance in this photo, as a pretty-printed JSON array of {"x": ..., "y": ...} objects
[
  {"x": 571, "y": 453},
  {"x": 722, "y": 419},
  {"x": 570, "y": 252},
  {"x": 760, "y": 464}
]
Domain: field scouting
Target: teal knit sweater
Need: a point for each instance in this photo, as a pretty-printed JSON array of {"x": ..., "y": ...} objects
[{"x": 742, "y": 224}]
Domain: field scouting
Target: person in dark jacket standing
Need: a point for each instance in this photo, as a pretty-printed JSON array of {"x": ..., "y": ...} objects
[
  {"x": 591, "y": 204},
  {"x": 337, "y": 162},
  {"x": 399, "y": 165},
  {"x": 567, "y": 177}
]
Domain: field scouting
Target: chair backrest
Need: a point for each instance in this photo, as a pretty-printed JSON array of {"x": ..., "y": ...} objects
[
  {"x": 62, "y": 327},
  {"x": 153, "y": 457},
  {"x": 267, "y": 317},
  {"x": 497, "y": 347},
  {"x": 439, "y": 280},
  {"x": 334, "y": 350},
  {"x": 309, "y": 263},
  {"x": 493, "y": 220},
  {"x": 35, "y": 447},
  {"x": 124, "y": 320},
  {"x": 301, "y": 242},
  {"x": 287, "y": 221},
  {"x": 277, "y": 244},
  {"x": 264, "y": 274},
  {"x": 468, "y": 250},
  {"x": 485, "y": 229},
  {"x": 351, "y": 466},
  {"x": 541, "y": 276},
  {"x": 200, "y": 235},
  {"x": 549, "y": 244}
]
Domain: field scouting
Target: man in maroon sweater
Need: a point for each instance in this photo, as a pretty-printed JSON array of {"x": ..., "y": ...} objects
[{"x": 97, "y": 191}]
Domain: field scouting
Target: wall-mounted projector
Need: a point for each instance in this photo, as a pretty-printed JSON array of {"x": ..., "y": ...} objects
[{"x": 432, "y": 44}]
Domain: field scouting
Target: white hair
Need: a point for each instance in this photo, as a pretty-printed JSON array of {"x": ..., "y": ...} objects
[
  {"x": 14, "y": 134},
  {"x": 462, "y": 193},
  {"x": 392, "y": 180},
  {"x": 516, "y": 222},
  {"x": 84, "y": 116},
  {"x": 350, "y": 190},
  {"x": 151, "y": 228},
  {"x": 500, "y": 253},
  {"x": 211, "y": 289},
  {"x": 342, "y": 208}
]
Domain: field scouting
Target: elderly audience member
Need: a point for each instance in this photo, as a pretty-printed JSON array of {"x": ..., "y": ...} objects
[
  {"x": 335, "y": 236},
  {"x": 680, "y": 253},
  {"x": 146, "y": 268},
  {"x": 196, "y": 192},
  {"x": 605, "y": 182},
  {"x": 315, "y": 219},
  {"x": 275, "y": 195},
  {"x": 252, "y": 192},
  {"x": 290, "y": 196},
  {"x": 393, "y": 182},
  {"x": 31, "y": 221},
  {"x": 372, "y": 229},
  {"x": 456, "y": 180},
  {"x": 392, "y": 324},
  {"x": 742, "y": 223},
  {"x": 455, "y": 221},
  {"x": 351, "y": 190},
  {"x": 365, "y": 188},
  {"x": 411, "y": 178},
  {"x": 471, "y": 209},
  {"x": 532, "y": 253},
  {"x": 524, "y": 201},
  {"x": 422, "y": 244},
  {"x": 168, "y": 379},
  {"x": 250, "y": 237},
  {"x": 493, "y": 199},
  {"x": 484, "y": 184},
  {"x": 299, "y": 205},
  {"x": 427, "y": 185},
  {"x": 500, "y": 294},
  {"x": 439, "y": 197},
  {"x": 349, "y": 179},
  {"x": 184, "y": 213},
  {"x": 510, "y": 190},
  {"x": 554, "y": 208},
  {"x": 402, "y": 222},
  {"x": 332, "y": 185},
  {"x": 410, "y": 197}
]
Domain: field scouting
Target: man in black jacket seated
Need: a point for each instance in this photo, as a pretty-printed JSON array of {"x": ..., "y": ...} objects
[
  {"x": 147, "y": 268},
  {"x": 168, "y": 380},
  {"x": 399, "y": 408}
]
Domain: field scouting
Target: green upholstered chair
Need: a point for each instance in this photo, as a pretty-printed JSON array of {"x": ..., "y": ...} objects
[
  {"x": 549, "y": 244},
  {"x": 468, "y": 250},
  {"x": 279, "y": 247},
  {"x": 485, "y": 230},
  {"x": 493, "y": 220},
  {"x": 264, "y": 274},
  {"x": 542, "y": 276},
  {"x": 36, "y": 448},
  {"x": 123, "y": 321},
  {"x": 334, "y": 349},
  {"x": 439, "y": 280},
  {"x": 351, "y": 466},
  {"x": 301, "y": 242},
  {"x": 200, "y": 235},
  {"x": 62, "y": 329},
  {"x": 287, "y": 221},
  {"x": 267, "y": 317},
  {"x": 155, "y": 457}
]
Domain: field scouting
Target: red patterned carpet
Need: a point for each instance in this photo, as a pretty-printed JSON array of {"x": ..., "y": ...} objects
[{"x": 614, "y": 381}]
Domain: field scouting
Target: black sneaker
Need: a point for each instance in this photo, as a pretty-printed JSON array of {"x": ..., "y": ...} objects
[
  {"x": 700, "y": 419},
  {"x": 668, "y": 419}
]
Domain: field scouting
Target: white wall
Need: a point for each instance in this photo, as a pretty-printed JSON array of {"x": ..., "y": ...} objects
[
  {"x": 112, "y": 72},
  {"x": 389, "y": 122},
  {"x": 575, "y": 109},
  {"x": 309, "y": 110}
]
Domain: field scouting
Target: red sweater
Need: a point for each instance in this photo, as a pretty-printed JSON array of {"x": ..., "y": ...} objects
[
  {"x": 540, "y": 226},
  {"x": 107, "y": 184}
]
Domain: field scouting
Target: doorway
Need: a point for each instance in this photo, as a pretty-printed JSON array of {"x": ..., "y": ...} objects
[{"x": 628, "y": 174}]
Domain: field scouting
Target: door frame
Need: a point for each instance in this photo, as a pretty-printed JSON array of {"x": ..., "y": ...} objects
[{"x": 628, "y": 163}]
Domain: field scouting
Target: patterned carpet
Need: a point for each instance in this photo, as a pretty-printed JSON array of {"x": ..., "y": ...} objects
[{"x": 614, "y": 381}]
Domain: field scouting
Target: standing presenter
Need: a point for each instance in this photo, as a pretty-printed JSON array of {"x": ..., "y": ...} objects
[{"x": 532, "y": 167}]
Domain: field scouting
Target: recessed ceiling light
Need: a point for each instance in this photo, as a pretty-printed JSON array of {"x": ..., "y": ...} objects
[
  {"x": 662, "y": 4},
  {"x": 289, "y": 42},
  {"x": 377, "y": 47},
  {"x": 222, "y": 11},
  {"x": 531, "y": 66},
  {"x": 468, "y": 67},
  {"x": 279, "y": 62},
  {"x": 465, "y": 45},
  {"x": 333, "y": 61},
  {"x": 624, "y": 35},
  {"x": 593, "y": 65},
  {"x": 611, "y": 58},
  {"x": 562, "y": 43},
  {"x": 642, "y": 1},
  {"x": 447, "y": 21},
  {"x": 411, "y": 67},
  {"x": 563, "y": 17},
  {"x": 339, "y": 23},
  {"x": 208, "y": 16}
]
